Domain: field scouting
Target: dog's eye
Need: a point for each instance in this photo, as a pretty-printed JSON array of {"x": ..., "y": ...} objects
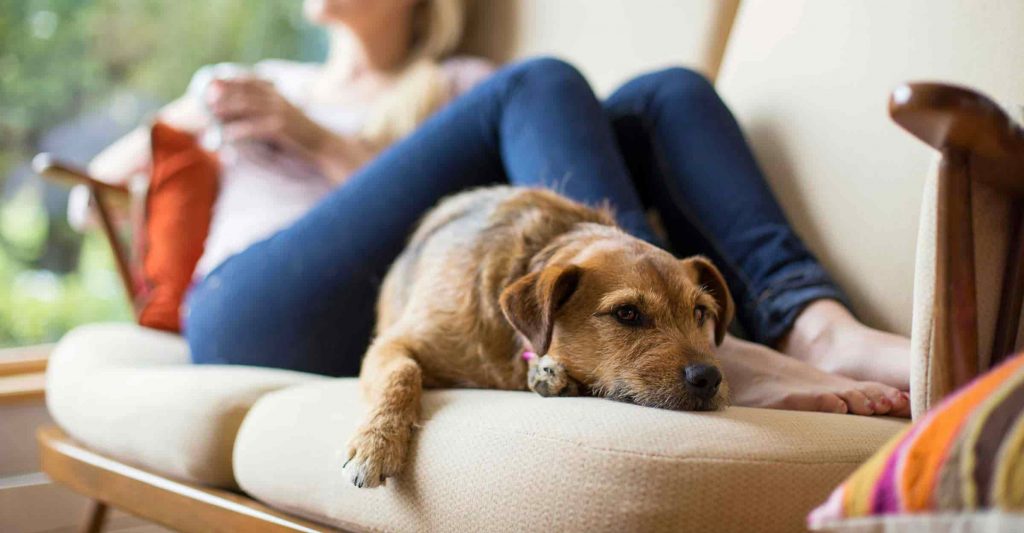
[
  {"x": 700, "y": 314},
  {"x": 628, "y": 315}
]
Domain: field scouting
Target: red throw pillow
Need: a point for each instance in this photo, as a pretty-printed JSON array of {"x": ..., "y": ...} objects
[{"x": 179, "y": 205}]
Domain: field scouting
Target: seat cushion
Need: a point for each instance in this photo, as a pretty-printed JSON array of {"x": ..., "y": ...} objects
[
  {"x": 486, "y": 460},
  {"x": 131, "y": 393}
]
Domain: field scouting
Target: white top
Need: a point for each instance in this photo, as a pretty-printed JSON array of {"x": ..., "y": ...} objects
[{"x": 263, "y": 190}]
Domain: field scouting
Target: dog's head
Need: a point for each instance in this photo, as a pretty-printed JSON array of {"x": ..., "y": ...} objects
[{"x": 628, "y": 320}]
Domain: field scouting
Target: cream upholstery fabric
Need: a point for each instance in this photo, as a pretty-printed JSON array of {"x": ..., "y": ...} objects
[
  {"x": 809, "y": 81},
  {"x": 923, "y": 374},
  {"x": 513, "y": 461},
  {"x": 131, "y": 393},
  {"x": 610, "y": 40}
]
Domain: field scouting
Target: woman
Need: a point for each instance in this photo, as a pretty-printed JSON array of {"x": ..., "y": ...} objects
[{"x": 311, "y": 214}]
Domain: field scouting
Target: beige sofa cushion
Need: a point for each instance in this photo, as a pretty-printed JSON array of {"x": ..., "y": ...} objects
[
  {"x": 513, "y": 461},
  {"x": 610, "y": 41},
  {"x": 809, "y": 81},
  {"x": 131, "y": 393}
]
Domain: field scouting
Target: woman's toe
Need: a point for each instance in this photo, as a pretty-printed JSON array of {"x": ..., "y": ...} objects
[
  {"x": 837, "y": 405},
  {"x": 858, "y": 402},
  {"x": 879, "y": 400},
  {"x": 830, "y": 403},
  {"x": 812, "y": 401},
  {"x": 882, "y": 405},
  {"x": 901, "y": 405}
]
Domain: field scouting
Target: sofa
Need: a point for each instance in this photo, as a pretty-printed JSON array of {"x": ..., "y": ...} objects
[{"x": 808, "y": 81}]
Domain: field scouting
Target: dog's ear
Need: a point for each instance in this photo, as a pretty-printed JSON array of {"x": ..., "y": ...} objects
[
  {"x": 706, "y": 275},
  {"x": 531, "y": 302}
]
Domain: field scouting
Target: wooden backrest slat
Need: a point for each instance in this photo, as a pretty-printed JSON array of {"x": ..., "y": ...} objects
[
  {"x": 1012, "y": 294},
  {"x": 956, "y": 313}
]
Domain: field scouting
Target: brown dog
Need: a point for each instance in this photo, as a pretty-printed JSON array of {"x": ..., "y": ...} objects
[{"x": 494, "y": 272}]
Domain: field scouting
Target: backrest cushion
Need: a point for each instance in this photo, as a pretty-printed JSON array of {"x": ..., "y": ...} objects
[
  {"x": 178, "y": 208},
  {"x": 809, "y": 81},
  {"x": 610, "y": 41}
]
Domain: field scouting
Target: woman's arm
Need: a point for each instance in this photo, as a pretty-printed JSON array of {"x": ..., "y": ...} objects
[
  {"x": 252, "y": 108},
  {"x": 131, "y": 154},
  {"x": 339, "y": 156}
]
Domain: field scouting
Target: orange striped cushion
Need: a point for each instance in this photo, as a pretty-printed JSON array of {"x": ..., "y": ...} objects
[{"x": 967, "y": 454}]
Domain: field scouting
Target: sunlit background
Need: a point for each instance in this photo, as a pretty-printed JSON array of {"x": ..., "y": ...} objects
[{"x": 74, "y": 76}]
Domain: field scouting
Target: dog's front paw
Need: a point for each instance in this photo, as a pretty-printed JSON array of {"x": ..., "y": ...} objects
[
  {"x": 376, "y": 453},
  {"x": 549, "y": 378}
]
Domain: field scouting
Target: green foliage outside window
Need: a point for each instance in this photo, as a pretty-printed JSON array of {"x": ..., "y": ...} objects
[{"x": 65, "y": 59}]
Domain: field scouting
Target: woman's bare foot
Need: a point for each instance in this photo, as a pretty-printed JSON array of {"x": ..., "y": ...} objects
[
  {"x": 761, "y": 377},
  {"x": 828, "y": 337}
]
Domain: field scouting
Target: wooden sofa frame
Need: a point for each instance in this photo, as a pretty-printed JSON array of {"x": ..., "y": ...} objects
[
  {"x": 977, "y": 140},
  {"x": 103, "y": 198}
]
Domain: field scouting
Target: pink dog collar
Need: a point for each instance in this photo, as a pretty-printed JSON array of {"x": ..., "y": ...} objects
[{"x": 529, "y": 356}]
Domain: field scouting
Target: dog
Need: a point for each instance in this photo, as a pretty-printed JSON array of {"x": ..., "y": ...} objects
[{"x": 497, "y": 272}]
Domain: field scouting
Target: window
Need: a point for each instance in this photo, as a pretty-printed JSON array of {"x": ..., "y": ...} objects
[{"x": 74, "y": 76}]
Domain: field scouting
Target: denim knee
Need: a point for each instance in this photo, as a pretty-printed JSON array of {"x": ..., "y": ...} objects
[
  {"x": 550, "y": 73},
  {"x": 678, "y": 85}
]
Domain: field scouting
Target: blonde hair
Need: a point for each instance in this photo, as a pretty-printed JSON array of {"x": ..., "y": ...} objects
[{"x": 422, "y": 87}]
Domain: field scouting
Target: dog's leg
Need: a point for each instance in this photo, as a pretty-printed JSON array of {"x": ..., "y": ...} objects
[
  {"x": 548, "y": 377},
  {"x": 392, "y": 381}
]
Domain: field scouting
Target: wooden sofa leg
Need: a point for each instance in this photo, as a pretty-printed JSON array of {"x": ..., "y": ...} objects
[{"x": 96, "y": 518}]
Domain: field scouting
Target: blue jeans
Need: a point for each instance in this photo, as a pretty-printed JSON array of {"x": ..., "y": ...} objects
[{"x": 304, "y": 299}]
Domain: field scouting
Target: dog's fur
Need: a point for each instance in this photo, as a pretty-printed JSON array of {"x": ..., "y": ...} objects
[{"x": 496, "y": 271}]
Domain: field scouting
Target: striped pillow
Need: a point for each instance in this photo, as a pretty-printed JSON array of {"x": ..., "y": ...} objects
[{"x": 965, "y": 455}]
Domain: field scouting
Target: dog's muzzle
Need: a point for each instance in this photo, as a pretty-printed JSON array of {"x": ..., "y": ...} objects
[{"x": 702, "y": 381}]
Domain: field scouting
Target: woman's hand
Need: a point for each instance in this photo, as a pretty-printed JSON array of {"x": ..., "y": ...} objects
[{"x": 252, "y": 109}]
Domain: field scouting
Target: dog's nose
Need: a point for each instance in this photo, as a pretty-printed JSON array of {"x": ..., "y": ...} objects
[{"x": 702, "y": 380}]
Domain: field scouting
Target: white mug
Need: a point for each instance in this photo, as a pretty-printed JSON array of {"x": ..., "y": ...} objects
[{"x": 213, "y": 138}]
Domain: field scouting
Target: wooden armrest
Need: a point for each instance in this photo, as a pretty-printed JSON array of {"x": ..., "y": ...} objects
[
  {"x": 979, "y": 143},
  {"x": 48, "y": 166},
  {"x": 51, "y": 168},
  {"x": 24, "y": 359},
  {"x": 23, "y": 372},
  {"x": 956, "y": 119}
]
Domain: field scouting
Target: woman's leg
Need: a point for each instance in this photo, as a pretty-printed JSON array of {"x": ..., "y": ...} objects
[
  {"x": 690, "y": 161},
  {"x": 305, "y": 298}
]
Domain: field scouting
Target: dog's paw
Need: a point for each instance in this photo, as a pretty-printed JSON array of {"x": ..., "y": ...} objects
[
  {"x": 375, "y": 453},
  {"x": 549, "y": 378}
]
